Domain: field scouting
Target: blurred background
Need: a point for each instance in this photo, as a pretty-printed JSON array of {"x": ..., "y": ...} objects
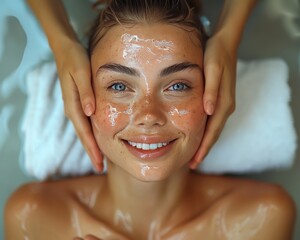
[{"x": 273, "y": 31}]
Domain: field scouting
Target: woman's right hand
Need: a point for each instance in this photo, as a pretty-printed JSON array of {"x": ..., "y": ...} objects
[{"x": 74, "y": 72}]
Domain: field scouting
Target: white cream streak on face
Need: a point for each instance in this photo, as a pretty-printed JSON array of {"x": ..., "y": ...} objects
[
  {"x": 174, "y": 111},
  {"x": 114, "y": 113},
  {"x": 146, "y": 168}
]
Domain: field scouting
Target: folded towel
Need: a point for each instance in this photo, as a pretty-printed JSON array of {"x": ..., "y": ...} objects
[
  {"x": 50, "y": 146},
  {"x": 260, "y": 134}
]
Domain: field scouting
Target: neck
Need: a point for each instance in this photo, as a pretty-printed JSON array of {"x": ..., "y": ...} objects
[{"x": 150, "y": 204}]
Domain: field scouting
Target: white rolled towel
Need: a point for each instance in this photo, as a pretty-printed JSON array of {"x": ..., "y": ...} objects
[{"x": 259, "y": 135}]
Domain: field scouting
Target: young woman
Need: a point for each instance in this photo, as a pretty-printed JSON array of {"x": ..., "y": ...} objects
[{"x": 147, "y": 71}]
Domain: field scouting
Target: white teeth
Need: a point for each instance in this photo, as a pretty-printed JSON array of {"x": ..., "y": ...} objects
[
  {"x": 146, "y": 146},
  {"x": 153, "y": 146}
]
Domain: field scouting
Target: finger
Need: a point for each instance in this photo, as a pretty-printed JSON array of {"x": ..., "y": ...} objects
[
  {"x": 73, "y": 111},
  {"x": 212, "y": 132},
  {"x": 82, "y": 79},
  {"x": 213, "y": 74},
  {"x": 84, "y": 132},
  {"x": 213, "y": 129},
  {"x": 91, "y": 237},
  {"x": 215, "y": 124}
]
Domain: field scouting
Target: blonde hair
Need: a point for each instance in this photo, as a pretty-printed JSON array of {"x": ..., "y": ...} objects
[{"x": 131, "y": 12}]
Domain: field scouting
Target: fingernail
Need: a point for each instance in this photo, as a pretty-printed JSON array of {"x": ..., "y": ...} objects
[
  {"x": 88, "y": 110},
  {"x": 193, "y": 166},
  {"x": 209, "y": 108},
  {"x": 99, "y": 168}
]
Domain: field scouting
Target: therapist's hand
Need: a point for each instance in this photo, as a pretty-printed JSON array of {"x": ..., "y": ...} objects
[
  {"x": 74, "y": 72},
  {"x": 219, "y": 95},
  {"x": 88, "y": 237}
]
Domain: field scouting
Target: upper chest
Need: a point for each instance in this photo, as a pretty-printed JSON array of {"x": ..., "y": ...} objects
[{"x": 202, "y": 226}]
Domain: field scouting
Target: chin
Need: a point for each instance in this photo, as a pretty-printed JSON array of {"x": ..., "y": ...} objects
[
  {"x": 152, "y": 178},
  {"x": 148, "y": 173}
]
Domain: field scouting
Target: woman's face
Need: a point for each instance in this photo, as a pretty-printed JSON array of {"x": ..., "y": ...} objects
[{"x": 148, "y": 83}]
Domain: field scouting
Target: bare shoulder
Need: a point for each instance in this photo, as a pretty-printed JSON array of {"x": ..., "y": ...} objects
[
  {"x": 42, "y": 210},
  {"x": 31, "y": 209},
  {"x": 238, "y": 208},
  {"x": 257, "y": 210}
]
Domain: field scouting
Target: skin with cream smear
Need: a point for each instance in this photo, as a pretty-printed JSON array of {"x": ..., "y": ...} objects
[{"x": 149, "y": 121}]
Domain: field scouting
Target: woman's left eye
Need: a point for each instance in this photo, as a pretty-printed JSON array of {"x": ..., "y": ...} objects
[{"x": 178, "y": 87}]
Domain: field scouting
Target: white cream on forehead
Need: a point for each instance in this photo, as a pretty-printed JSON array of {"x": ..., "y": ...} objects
[
  {"x": 159, "y": 44},
  {"x": 133, "y": 44}
]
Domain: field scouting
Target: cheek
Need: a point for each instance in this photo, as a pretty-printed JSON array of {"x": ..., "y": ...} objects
[
  {"x": 110, "y": 118},
  {"x": 189, "y": 118}
]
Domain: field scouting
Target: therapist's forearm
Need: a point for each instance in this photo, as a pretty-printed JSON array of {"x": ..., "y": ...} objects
[
  {"x": 55, "y": 22},
  {"x": 232, "y": 20}
]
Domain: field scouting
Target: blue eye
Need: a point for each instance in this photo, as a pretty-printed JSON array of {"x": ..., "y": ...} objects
[
  {"x": 178, "y": 87},
  {"x": 118, "y": 87}
]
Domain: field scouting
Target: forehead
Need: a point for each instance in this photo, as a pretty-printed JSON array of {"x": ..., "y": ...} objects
[{"x": 153, "y": 42}]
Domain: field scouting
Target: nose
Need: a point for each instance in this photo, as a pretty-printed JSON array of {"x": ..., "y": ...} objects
[{"x": 149, "y": 112}]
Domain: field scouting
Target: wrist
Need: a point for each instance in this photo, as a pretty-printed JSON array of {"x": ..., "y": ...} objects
[
  {"x": 232, "y": 20},
  {"x": 227, "y": 40},
  {"x": 61, "y": 43}
]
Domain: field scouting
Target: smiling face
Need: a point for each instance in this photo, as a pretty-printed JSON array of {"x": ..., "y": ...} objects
[{"x": 148, "y": 83}]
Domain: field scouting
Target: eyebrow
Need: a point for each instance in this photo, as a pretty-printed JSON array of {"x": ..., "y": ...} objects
[
  {"x": 115, "y": 67},
  {"x": 178, "y": 67}
]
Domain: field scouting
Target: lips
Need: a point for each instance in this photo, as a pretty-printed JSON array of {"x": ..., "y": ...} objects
[{"x": 148, "y": 151}]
